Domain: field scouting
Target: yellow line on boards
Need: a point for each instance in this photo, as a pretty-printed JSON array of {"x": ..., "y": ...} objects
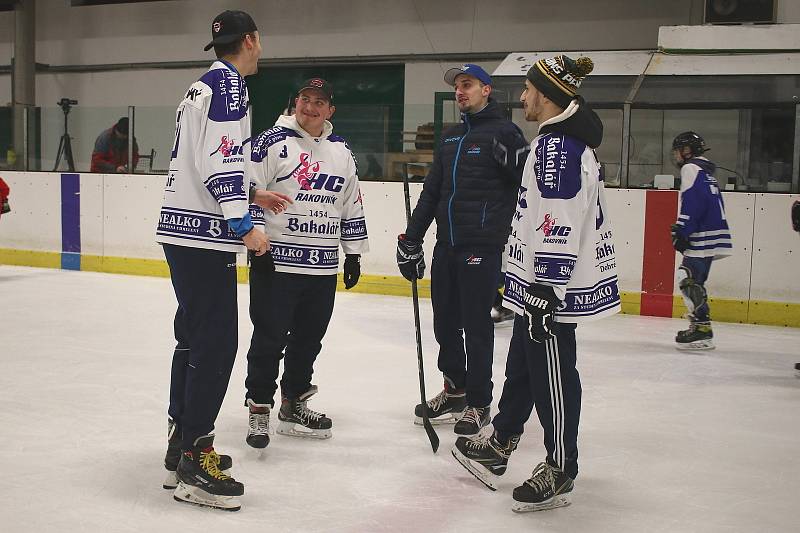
[{"x": 723, "y": 310}]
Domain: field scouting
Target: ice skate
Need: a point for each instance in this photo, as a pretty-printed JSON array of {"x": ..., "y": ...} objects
[
  {"x": 472, "y": 421},
  {"x": 547, "y": 488},
  {"x": 173, "y": 457},
  {"x": 297, "y": 420},
  {"x": 485, "y": 458},
  {"x": 698, "y": 337},
  {"x": 258, "y": 430},
  {"x": 444, "y": 408},
  {"x": 201, "y": 482}
]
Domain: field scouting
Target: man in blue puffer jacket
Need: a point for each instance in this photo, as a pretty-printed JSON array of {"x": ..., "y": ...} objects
[{"x": 471, "y": 191}]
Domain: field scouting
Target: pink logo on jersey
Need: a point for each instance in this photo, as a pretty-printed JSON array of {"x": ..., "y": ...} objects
[
  {"x": 226, "y": 147},
  {"x": 306, "y": 171},
  {"x": 548, "y": 225}
]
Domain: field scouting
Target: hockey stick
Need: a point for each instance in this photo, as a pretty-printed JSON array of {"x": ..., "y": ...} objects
[{"x": 432, "y": 436}]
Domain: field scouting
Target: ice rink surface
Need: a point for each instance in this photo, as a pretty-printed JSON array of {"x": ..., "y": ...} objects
[{"x": 669, "y": 441}]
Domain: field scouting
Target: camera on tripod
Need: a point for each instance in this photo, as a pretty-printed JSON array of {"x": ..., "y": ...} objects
[
  {"x": 66, "y": 104},
  {"x": 65, "y": 146}
]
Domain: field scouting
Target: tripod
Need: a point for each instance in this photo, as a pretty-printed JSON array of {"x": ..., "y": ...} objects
[{"x": 65, "y": 145}]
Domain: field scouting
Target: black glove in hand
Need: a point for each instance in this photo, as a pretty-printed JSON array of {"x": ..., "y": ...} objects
[
  {"x": 410, "y": 258},
  {"x": 352, "y": 270},
  {"x": 540, "y": 302},
  {"x": 679, "y": 242},
  {"x": 500, "y": 153},
  {"x": 262, "y": 264}
]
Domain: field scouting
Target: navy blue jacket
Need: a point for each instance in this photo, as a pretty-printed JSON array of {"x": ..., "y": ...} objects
[{"x": 472, "y": 186}]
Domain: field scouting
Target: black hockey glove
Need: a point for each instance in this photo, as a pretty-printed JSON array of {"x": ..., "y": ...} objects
[
  {"x": 679, "y": 242},
  {"x": 500, "y": 153},
  {"x": 796, "y": 216},
  {"x": 352, "y": 270},
  {"x": 540, "y": 302},
  {"x": 410, "y": 258},
  {"x": 260, "y": 264}
]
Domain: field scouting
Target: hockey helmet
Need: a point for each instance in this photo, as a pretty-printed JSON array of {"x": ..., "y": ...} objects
[{"x": 692, "y": 140}]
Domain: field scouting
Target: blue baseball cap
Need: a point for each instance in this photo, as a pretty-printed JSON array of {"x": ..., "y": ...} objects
[{"x": 470, "y": 70}]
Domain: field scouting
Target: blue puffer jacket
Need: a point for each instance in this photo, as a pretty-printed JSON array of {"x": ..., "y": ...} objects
[{"x": 471, "y": 189}]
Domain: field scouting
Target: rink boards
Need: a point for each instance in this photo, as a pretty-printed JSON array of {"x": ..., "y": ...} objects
[{"x": 106, "y": 223}]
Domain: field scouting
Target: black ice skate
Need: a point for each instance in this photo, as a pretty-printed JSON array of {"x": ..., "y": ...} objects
[
  {"x": 485, "y": 458},
  {"x": 297, "y": 420},
  {"x": 173, "y": 457},
  {"x": 501, "y": 315},
  {"x": 471, "y": 422},
  {"x": 698, "y": 337},
  {"x": 258, "y": 431},
  {"x": 201, "y": 482},
  {"x": 444, "y": 408},
  {"x": 547, "y": 488}
]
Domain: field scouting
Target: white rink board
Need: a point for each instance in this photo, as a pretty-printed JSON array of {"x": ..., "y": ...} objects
[
  {"x": 119, "y": 215},
  {"x": 92, "y": 206},
  {"x": 384, "y": 210},
  {"x": 775, "y": 274},
  {"x": 131, "y": 205},
  {"x": 727, "y": 274},
  {"x": 626, "y": 209},
  {"x": 34, "y": 222}
]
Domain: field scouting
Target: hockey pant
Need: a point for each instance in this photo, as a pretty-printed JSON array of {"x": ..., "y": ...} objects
[
  {"x": 206, "y": 331},
  {"x": 291, "y": 312},
  {"x": 692, "y": 275},
  {"x": 543, "y": 375},
  {"x": 463, "y": 288}
]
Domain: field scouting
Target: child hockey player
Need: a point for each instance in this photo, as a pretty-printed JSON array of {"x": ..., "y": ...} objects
[{"x": 701, "y": 234}]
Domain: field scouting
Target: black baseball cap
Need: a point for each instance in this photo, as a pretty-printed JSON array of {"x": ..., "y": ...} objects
[
  {"x": 229, "y": 26},
  {"x": 318, "y": 84},
  {"x": 122, "y": 125}
]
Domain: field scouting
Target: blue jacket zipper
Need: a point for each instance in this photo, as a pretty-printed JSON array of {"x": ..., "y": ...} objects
[{"x": 455, "y": 166}]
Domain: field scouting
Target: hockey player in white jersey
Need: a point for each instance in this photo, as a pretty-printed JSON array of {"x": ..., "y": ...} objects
[
  {"x": 561, "y": 271},
  {"x": 204, "y": 222},
  {"x": 302, "y": 158}
]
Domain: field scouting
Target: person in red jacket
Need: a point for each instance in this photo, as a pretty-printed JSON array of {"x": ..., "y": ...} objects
[
  {"x": 110, "y": 153},
  {"x": 5, "y": 190}
]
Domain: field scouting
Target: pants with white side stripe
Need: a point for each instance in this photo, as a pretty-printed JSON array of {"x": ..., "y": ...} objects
[{"x": 544, "y": 375}]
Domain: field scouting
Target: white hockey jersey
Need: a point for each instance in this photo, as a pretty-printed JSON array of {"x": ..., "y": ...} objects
[
  {"x": 320, "y": 175},
  {"x": 561, "y": 233},
  {"x": 205, "y": 184}
]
